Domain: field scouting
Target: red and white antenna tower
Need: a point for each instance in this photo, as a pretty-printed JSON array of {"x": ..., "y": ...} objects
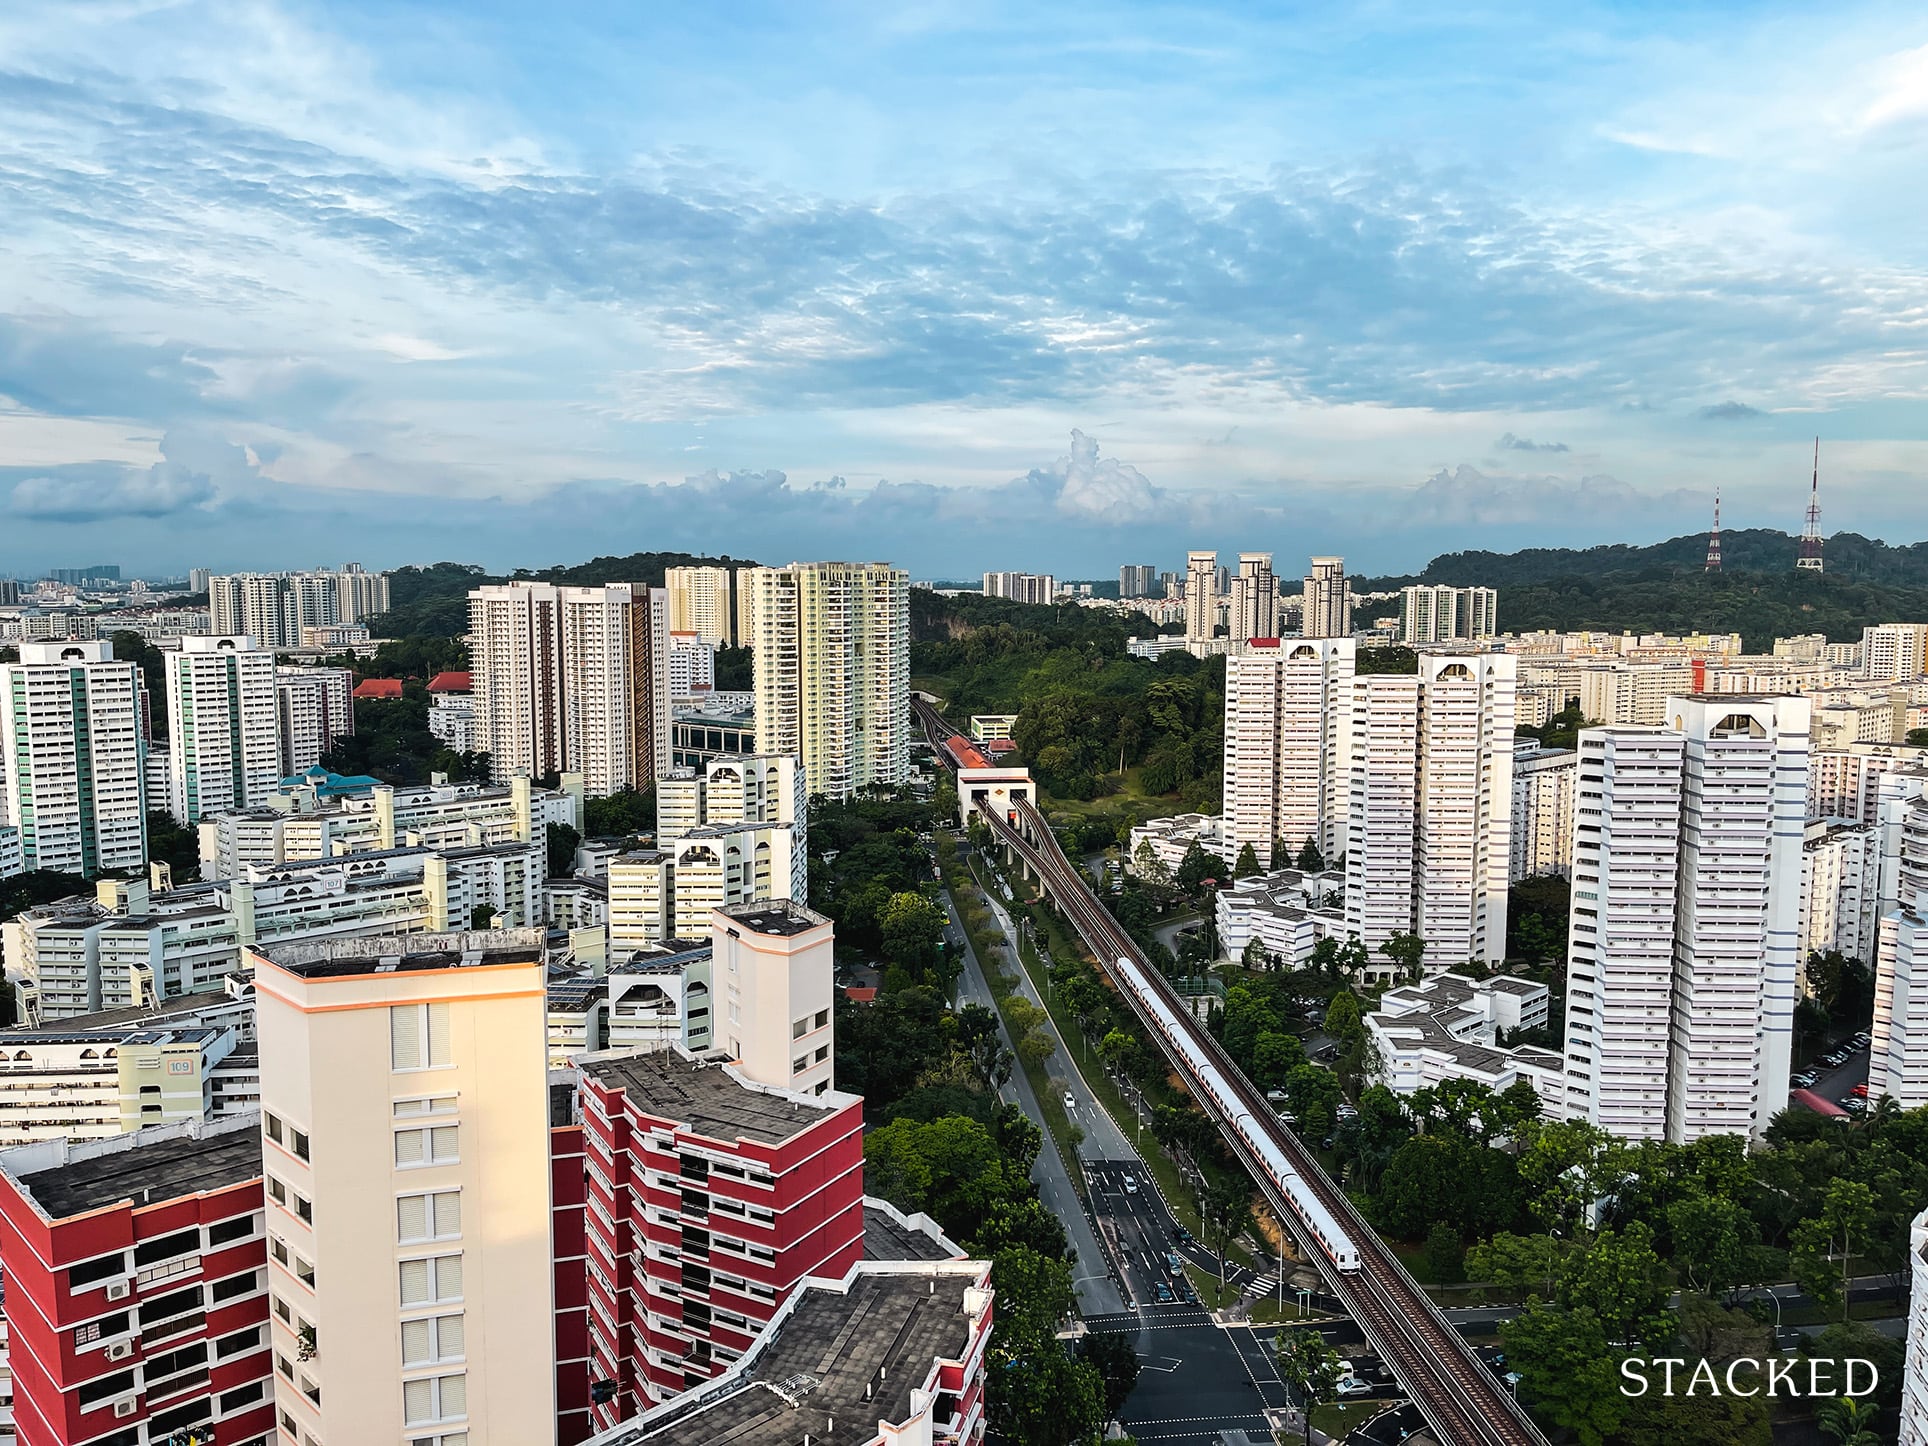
[
  {"x": 1713, "y": 538},
  {"x": 1810, "y": 558}
]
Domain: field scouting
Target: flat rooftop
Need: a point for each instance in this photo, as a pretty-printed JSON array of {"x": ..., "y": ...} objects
[
  {"x": 823, "y": 1356},
  {"x": 142, "y": 1014},
  {"x": 157, "y": 1170},
  {"x": 888, "y": 1238},
  {"x": 775, "y": 916},
  {"x": 409, "y": 953},
  {"x": 703, "y": 1097}
]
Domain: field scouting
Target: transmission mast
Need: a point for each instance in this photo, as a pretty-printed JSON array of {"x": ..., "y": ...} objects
[
  {"x": 1810, "y": 558},
  {"x": 1713, "y": 538}
]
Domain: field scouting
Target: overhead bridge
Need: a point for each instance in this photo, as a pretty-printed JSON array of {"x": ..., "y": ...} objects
[{"x": 1462, "y": 1401}]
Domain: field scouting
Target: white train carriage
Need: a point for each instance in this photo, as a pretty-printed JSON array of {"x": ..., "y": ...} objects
[{"x": 1213, "y": 1083}]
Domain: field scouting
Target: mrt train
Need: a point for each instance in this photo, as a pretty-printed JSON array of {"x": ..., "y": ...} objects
[{"x": 1211, "y": 1080}]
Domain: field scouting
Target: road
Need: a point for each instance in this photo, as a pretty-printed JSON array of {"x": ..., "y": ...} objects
[{"x": 1097, "y": 1292}]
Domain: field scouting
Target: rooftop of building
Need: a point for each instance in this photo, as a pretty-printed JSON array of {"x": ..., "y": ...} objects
[
  {"x": 140, "y": 1168},
  {"x": 842, "y": 1358},
  {"x": 891, "y": 1235},
  {"x": 409, "y": 953},
  {"x": 139, "y": 1015},
  {"x": 667, "y": 957},
  {"x": 707, "y": 1097},
  {"x": 379, "y": 688},
  {"x": 776, "y": 917},
  {"x": 451, "y": 682}
]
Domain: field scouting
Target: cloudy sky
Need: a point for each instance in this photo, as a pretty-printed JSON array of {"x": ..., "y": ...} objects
[{"x": 964, "y": 285}]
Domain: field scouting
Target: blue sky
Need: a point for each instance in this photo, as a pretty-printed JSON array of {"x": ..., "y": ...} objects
[{"x": 963, "y": 285}]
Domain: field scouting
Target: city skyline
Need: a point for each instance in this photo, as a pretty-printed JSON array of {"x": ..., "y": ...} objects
[{"x": 864, "y": 277}]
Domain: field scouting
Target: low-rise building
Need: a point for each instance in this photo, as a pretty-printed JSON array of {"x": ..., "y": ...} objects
[
  {"x": 1446, "y": 1027},
  {"x": 720, "y": 726},
  {"x": 1288, "y": 911},
  {"x": 1167, "y": 840}
]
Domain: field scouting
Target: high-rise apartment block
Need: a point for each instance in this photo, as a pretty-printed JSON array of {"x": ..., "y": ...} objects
[
  {"x": 317, "y": 709},
  {"x": 692, "y": 667},
  {"x": 833, "y": 671},
  {"x": 702, "y": 600},
  {"x": 1543, "y": 783},
  {"x": 406, "y": 1128},
  {"x": 75, "y": 764},
  {"x": 274, "y": 607},
  {"x": 1138, "y": 580},
  {"x": 223, "y": 725},
  {"x": 136, "y": 1304},
  {"x": 1024, "y": 587},
  {"x": 1442, "y": 614},
  {"x": 1201, "y": 595},
  {"x": 572, "y": 679},
  {"x": 1328, "y": 600},
  {"x": 1894, "y": 652},
  {"x": 1840, "y": 889},
  {"x": 731, "y": 833},
  {"x": 1898, "y": 1057},
  {"x": 1287, "y": 738},
  {"x": 1254, "y": 611},
  {"x": 1685, "y": 943},
  {"x": 1429, "y": 825}
]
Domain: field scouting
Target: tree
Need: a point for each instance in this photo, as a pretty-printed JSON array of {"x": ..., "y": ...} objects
[
  {"x": 621, "y": 814},
  {"x": 1526, "y": 1263},
  {"x": 1407, "y": 951},
  {"x": 1248, "y": 863},
  {"x": 1280, "y": 859},
  {"x": 1196, "y": 867},
  {"x": 1309, "y": 1365},
  {"x": 911, "y": 928},
  {"x": 482, "y": 916},
  {"x": 1146, "y": 863},
  {"x": 1113, "y": 1356},
  {"x": 1274, "y": 1056},
  {"x": 168, "y": 843},
  {"x": 1312, "y": 1095},
  {"x": 1224, "y": 1210},
  {"x": 1622, "y": 1282},
  {"x": 1255, "y": 955},
  {"x": 1917, "y": 738},
  {"x": 561, "y": 841},
  {"x": 1445, "y": 1255},
  {"x": 1037, "y": 1391},
  {"x": 1342, "y": 1018},
  {"x": 1716, "y": 1243},
  {"x": 1850, "y": 1422},
  {"x": 1847, "y": 1217},
  {"x": 1311, "y": 861},
  {"x": 1569, "y": 1378}
]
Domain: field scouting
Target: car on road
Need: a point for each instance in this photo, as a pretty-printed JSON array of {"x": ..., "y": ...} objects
[
  {"x": 1188, "y": 1295},
  {"x": 1165, "y": 1295},
  {"x": 1070, "y": 1100},
  {"x": 1131, "y": 1184},
  {"x": 1181, "y": 1236}
]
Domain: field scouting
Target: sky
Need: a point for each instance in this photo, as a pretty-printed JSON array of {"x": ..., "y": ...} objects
[{"x": 961, "y": 285}]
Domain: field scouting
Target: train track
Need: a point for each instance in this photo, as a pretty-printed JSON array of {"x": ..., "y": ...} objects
[{"x": 1459, "y": 1397}]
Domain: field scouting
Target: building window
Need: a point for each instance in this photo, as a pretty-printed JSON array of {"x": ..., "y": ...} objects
[
  {"x": 419, "y": 1036},
  {"x": 800, "y": 1064},
  {"x": 433, "y": 1341},
  {"x": 436, "y": 1145},
  {"x": 271, "y": 1126},
  {"x": 800, "y": 1028},
  {"x": 823, "y": 1018},
  {"x": 431, "y": 1105},
  {"x": 435, "y": 1280},
  {"x": 436, "y": 1398},
  {"x": 429, "y": 1217}
]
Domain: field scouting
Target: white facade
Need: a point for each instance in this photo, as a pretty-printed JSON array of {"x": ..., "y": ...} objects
[
  {"x": 317, "y": 708},
  {"x": 1898, "y": 1055},
  {"x": 130, "y": 946},
  {"x": 1686, "y": 945},
  {"x": 1170, "y": 839},
  {"x": 572, "y": 679},
  {"x": 1201, "y": 595},
  {"x": 451, "y": 721},
  {"x": 733, "y": 834},
  {"x": 405, "y": 1116},
  {"x": 70, "y": 732},
  {"x": 692, "y": 666},
  {"x": 1382, "y": 760},
  {"x": 702, "y": 601},
  {"x": 1894, "y": 652},
  {"x": 1631, "y": 692},
  {"x": 223, "y": 725},
  {"x": 775, "y": 983},
  {"x": 1840, "y": 889},
  {"x": 274, "y": 608},
  {"x": 1914, "y": 1379},
  {"x": 1846, "y": 782},
  {"x": 833, "y": 671},
  {"x": 1328, "y": 600},
  {"x": 1543, "y": 783},
  {"x": 1446, "y": 1028},
  {"x": 12, "y": 859},
  {"x": 1287, "y": 911},
  {"x": 1254, "y": 612},
  {"x": 1444, "y": 614},
  {"x": 1287, "y": 741},
  {"x": 1024, "y": 587}
]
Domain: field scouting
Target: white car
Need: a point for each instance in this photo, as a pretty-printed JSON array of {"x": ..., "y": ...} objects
[
  {"x": 1131, "y": 1184},
  {"x": 1070, "y": 1100},
  {"x": 1351, "y": 1386}
]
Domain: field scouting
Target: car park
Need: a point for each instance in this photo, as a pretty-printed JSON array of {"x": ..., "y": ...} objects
[{"x": 1805, "y": 1079}]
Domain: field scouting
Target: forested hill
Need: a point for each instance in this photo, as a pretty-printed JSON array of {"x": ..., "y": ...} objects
[
  {"x": 1849, "y": 556},
  {"x": 1666, "y": 588},
  {"x": 432, "y": 601}
]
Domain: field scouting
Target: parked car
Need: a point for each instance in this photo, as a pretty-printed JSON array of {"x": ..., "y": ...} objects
[
  {"x": 1352, "y": 1386},
  {"x": 1859, "y": 1092},
  {"x": 1805, "y": 1079}
]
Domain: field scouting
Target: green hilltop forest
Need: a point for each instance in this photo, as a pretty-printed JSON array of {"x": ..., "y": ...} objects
[{"x": 1665, "y": 588}]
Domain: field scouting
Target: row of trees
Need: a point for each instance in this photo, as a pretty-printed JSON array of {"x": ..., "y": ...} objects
[{"x": 870, "y": 871}]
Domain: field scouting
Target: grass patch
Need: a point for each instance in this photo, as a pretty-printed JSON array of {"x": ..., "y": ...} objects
[{"x": 1336, "y": 1418}]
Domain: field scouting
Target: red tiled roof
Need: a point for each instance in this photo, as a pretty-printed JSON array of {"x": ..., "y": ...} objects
[
  {"x": 451, "y": 683},
  {"x": 860, "y": 993},
  {"x": 379, "y": 688}
]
